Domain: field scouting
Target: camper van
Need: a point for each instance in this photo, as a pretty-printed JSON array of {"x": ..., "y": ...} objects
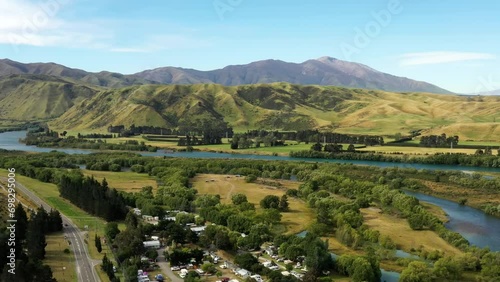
[{"x": 183, "y": 273}]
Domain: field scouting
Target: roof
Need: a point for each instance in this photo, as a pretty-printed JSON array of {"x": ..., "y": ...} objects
[{"x": 151, "y": 243}]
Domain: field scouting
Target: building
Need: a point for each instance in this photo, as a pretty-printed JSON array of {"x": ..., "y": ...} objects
[
  {"x": 243, "y": 273},
  {"x": 137, "y": 211},
  {"x": 152, "y": 244},
  {"x": 198, "y": 229}
]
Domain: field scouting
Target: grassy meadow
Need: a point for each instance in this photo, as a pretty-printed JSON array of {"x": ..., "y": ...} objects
[{"x": 127, "y": 181}]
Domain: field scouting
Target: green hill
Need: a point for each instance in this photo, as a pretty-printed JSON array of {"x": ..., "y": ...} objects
[
  {"x": 73, "y": 105},
  {"x": 39, "y": 97}
]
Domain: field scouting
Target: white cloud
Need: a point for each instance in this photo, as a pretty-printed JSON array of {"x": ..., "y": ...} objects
[
  {"x": 28, "y": 23},
  {"x": 441, "y": 57},
  {"x": 40, "y": 24}
]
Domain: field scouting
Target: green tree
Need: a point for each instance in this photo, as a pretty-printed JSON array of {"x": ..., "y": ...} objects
[
  {"x": 98, "y": 243},
  {"x": 270, "y": 202},
  {"x": 490, "y": 267},
  {"x": 245, "y": 260},
  {"x": 317, "y": 147},
  {"x": 447, "y": 269},
  {"x": 111, "y": 230},
  {"x": 209, "y": 268},
  {"x": 283, "y": 204},
  {"x": 417, "y": 271},
  {"x": 239, "y": 198}
]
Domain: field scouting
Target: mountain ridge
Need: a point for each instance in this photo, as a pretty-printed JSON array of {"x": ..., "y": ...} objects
[{"x": 326, "y": 71}]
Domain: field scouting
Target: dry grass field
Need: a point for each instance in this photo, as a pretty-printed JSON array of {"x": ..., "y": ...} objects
[
  {"x": 123, "y": 181},
  {"x": 476, "y": 198},
  {"x": 61, "y": 264},
  {"x": 405, "y": 238}
]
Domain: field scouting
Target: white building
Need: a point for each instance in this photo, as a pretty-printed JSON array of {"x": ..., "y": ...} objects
[
  {"x": 152, "y": 244},
  {"x": 198, "y": 229}
]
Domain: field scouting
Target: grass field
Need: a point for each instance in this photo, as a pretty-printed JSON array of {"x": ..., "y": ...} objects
[
  {"x": 415, "y": 150},
  {"x": 405, "y": 238},
  {"x": 61, "y": 264},
  {"x": 476, "y": 198},
  {"x": 296, "y": 220},
  {"x": 123, "y": 181}
]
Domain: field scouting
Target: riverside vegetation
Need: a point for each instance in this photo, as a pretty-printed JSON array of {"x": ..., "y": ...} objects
[{"x": 336, "y": 194}]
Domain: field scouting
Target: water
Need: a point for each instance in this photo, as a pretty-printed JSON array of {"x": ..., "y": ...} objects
[
  {"x": 9, "y": 141},
  {"x": 478, "y": 228}
]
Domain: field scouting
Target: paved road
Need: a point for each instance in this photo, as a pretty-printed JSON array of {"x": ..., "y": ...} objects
[
  {"x": 165, "y": 267},
  {"x": 84, "y": 264}
]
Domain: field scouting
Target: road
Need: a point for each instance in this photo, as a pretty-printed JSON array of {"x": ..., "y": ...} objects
[
  {"x": 165, "y": 267},
  {"x": 84, "y": 264}
]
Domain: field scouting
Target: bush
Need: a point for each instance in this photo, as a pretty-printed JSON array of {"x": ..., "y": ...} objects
[{"x": 66, "y": 251}]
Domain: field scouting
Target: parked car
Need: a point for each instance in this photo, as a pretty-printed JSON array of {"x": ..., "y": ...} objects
[{"x": 175, "y": 268}]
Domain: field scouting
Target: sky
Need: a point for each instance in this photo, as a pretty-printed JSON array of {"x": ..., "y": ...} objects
[{"x": 451, "y": 43}]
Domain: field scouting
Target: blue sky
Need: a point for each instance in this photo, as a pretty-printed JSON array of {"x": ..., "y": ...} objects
[{"x": 453, "y": 44}]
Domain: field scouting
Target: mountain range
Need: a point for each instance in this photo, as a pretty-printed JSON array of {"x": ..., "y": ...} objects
[{"x": 322, "y": 71}]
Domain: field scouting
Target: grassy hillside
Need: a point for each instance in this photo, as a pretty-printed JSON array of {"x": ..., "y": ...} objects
[
  {"x": 75, "y": 106},
  {"x": 38, "y": 97},
  {"x": 286, "y": 106}
]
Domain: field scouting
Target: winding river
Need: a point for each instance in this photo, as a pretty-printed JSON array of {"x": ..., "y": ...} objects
[{"x": 479, "y": 228}]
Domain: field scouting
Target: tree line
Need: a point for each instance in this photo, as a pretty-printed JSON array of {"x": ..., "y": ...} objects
[
  {"x": 29, "y": 245},
  {"x": 93, "y": 197},
  {"x": 439, "y": 141}
]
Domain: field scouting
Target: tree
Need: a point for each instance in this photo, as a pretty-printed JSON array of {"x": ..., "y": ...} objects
[
  {"x": 208, "y": 268},
  {"x": 111, "y": 230},
  {"x": 35, "y": 239},
  {"x": 222, "y": 240},
  {"x": 351, "y": 148},
  {"x": 239, "y": 198},
  {"x": 490, "y": 266},
  {"x": 98, "y": 243},
  {"x": 270, "y": 202},
  {"x": 192, "y": 277},
  {"x": 361, "y": 270},
  {"x": 416, "y": 271},
  {"x": 317, "y": 147},
  {"x": 22, "y": 222},
  {"x": 245, "y": 260},
  {"x": 447, "y": 269},
  {"x": 283, "y": 204}
]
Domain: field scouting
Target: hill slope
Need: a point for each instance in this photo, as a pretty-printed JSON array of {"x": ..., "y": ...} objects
[
  {"x": 288, "y": 107},
  {"x": 322, "y": 71},
  {"x": 39, "y": 97}
]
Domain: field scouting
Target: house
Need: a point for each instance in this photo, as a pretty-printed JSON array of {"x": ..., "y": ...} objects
[
  {"x": 285, "y": 273},
  {"x": 243, "y": 273},
  {"x": 271, "y": 250},
  {"x": 152, "y": 244},
  {"x": 137, "y": 211},
  {"x": 198, "y": 229}
]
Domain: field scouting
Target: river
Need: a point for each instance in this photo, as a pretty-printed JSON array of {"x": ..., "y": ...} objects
[
  {"x": 10, "y": 141},
  {"x": 477, "y": 227}
]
